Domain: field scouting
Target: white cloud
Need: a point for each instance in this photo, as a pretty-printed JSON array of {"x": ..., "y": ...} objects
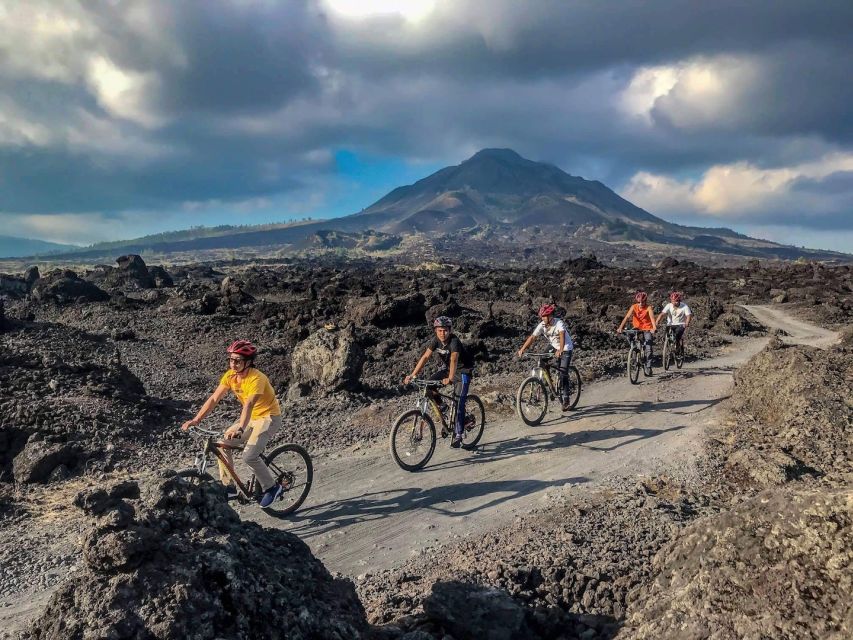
[
  {"x": 124, "y": 93},
  {"x": 695, "y": 93},
  {"x": 742, "y": 191}
]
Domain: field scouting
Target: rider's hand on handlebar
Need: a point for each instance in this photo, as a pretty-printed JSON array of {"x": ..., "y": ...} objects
[
  {"x": 445, "y": 381},
  {"x": 619, "y": 330},
  {"x": 520, "y": 352},
  {"x": 407, "y": 379},
  {"x": 189, "y": 423},
  {"x": 233, "y": 432}
]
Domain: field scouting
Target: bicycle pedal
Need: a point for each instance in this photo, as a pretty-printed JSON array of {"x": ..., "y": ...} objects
[{"x": 444, "y": 433}]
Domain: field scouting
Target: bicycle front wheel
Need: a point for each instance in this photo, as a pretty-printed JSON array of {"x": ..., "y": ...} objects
[
  {"x": 634, "y": 364},
  {"x": 667, "y": 355},
  {"x": 475, "y": 421},
  {"x": 194, "y": 477},
  {"x": 293, "y": 470},
  {"x": 532, "y": 401},
  {"x": 412, "y": 440},
  {"x": 679, "y": 355},
  {"x": 574, "y": 393}
]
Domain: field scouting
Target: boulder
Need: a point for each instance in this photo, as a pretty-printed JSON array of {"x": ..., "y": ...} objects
[
  {"x": 776, "y": 566},
  {"x": 668, "y": 263},
  {"x": 388, "y": 311},
  {"x": 37, "y": 460},
  {"x": 64, "y": 285},
  {"x": 30, "y": 276},
  {"x": 328, "y": 361},
  {"x": 487, "y": 613},
  {"x": 12, "y": 285},
  {"x": 161, "y": 277},
  {"x": 171, "y": 559}
]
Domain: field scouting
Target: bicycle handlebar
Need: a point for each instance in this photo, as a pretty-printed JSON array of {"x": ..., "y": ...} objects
[
  {"x": 420, "y": 382},
  {"x": 549, "y": 354},
  {"x": 202, "y": 431}
]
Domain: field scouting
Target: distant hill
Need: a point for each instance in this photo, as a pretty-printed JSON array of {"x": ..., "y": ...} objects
[
  {"x": 12, "y": 247},
  {"x": 496, "y": 198}
]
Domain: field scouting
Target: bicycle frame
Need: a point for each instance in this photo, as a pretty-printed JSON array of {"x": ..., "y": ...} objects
[
  {"x": 425, "y": 402},
  {"x": 214, "y": 448},
  {"x": 634, "y": 342},
  {"x": 542, "y": 370}
]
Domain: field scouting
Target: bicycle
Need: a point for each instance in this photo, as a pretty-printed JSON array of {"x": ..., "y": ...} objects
[
  {"x": 636, "y": 356},
  {"x": 671, "y": 353},
  {"x": 289, "y": 464},
  {"x": 533, "y": 394},
  {"x": 413, "y": 436}
]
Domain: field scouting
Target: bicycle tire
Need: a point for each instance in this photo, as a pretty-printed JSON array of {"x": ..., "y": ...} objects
[
  {"x": 417, "y": 421},
  {"x": 285, "y": 473},
  {"x": 194, "y": 477},
  {"x": 532, "y": 393},
  {"x": 667, "y": 354},
  {"x": 574, "y": 386},
  {"x": 475, "y": 432},
  {"x": 634, "y": 365},
  {"x": 679, "y": 355}
]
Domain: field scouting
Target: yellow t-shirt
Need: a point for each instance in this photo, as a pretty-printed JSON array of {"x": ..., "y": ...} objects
[{"x": 253, "y": 383}]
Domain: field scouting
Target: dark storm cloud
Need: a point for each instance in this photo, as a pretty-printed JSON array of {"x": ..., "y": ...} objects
[{"x": 152, "y": 104}]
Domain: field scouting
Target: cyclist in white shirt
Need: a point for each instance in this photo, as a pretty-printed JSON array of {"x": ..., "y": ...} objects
[
  {"x": 558, "y": 335},
  {"x": 678, "y": 315}
]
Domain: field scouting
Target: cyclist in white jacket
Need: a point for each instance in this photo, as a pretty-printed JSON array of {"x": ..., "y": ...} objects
[
  {"x": 558, "y": 335},
  {"x": 678, "y": 315}
]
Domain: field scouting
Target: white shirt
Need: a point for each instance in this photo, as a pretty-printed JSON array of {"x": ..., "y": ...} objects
[
  {"x": 677, "y": 315},
  {"x": 552, "y": 332}
]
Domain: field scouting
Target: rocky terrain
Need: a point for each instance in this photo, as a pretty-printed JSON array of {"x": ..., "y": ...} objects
[{"x": 101, "y": 365}]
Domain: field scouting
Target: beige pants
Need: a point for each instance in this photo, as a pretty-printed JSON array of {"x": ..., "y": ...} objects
[{"x": 256, "y": 436}]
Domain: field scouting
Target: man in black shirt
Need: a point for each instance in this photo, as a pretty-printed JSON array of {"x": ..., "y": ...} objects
[{"x": 458, "y": 366}]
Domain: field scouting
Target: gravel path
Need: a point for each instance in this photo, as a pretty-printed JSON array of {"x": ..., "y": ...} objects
[{"x": 365, "y": 514}]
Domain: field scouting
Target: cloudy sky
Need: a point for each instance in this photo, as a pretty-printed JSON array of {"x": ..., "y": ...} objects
[{"x": 120, "y": 118}]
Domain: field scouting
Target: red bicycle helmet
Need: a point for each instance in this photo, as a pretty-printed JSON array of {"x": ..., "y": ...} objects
[
  {"x": 442, "y": 321},
  {"x": 640, "y": 297},
  {"x": 547, "y": 310},
  {"x": 243, "y": 348},
  {"x": 676, "y": 296}
]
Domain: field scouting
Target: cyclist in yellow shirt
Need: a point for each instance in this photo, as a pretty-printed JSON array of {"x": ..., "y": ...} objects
[{"x": 259, "y": 421}]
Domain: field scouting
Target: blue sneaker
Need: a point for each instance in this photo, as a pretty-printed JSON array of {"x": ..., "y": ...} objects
[{"x": 270, "y": 495}]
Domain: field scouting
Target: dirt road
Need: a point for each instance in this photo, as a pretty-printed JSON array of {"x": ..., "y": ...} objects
[{"x": 366, "y": 514}]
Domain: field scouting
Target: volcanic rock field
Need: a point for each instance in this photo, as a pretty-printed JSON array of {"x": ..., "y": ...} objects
[{"x": 747, "y": 533}]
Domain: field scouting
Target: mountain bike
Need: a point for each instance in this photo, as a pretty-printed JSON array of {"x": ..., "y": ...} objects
[
  {"x": 413, "y": 435},
  {"x": 289, "y": 464},
  {"x": 636, "y": 356},
  {"x": 533, "y": 394},
  {"x": 672, "y": 349}
]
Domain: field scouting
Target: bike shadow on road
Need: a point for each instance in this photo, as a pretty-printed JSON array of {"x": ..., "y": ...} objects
[
  {"x": 335, "y": 514},
  {"x": 679, "y": 407},
  {"x": 541, "y": 442}
]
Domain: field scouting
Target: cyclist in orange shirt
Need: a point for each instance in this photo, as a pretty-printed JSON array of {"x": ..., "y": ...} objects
[{"x": 642, "y": 318}]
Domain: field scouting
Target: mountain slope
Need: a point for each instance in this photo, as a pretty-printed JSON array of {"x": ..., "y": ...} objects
[
  {"x": 13, "y": 247},
  {"x": 496, "y": 196}
]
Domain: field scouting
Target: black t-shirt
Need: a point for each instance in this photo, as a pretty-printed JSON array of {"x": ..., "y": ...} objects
[{"x": 464, "y": 362}]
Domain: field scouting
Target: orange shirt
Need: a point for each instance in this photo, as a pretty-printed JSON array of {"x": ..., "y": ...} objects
[{"x": 641, "y": 317}]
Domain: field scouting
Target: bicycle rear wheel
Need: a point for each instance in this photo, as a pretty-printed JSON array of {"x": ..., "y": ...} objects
[
  {"x": 475, "y": 421},
  {"x": 292, "y": 468},
  {"x": 634, "y": 365},
  {"x": 531, "y": 401},
  {"x": 574, "y": 393},
  {"x": 412, "y": 440}
]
